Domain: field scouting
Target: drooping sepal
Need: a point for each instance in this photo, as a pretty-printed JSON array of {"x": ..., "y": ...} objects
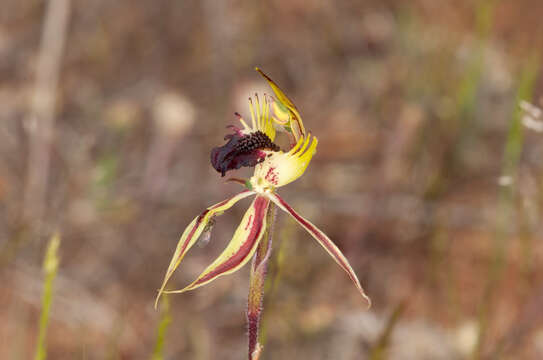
[
  {"x": 240, "y": 249},
  {"x": 324, "y": 241},
  {"x": 193, "y": 232}
]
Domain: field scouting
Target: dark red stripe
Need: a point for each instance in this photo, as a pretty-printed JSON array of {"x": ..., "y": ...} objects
[
  {"x": 193, "y": 230},
  {"x": 327, "y": 243},
  {"x": 314, "y": 230},
  {"x": 249, "y": 222},
  {"x": 260, "y": 205},
  {"x": 200, "y": 218},
  {"x": 227, "y": 200}
]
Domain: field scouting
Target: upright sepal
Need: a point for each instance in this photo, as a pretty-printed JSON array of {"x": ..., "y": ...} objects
[
  {"x": 240, "y": 249},
  {"x": 323, "y": 240},
  {"x": 194, "y": 230},
  {"x": 296, "y": 124}
]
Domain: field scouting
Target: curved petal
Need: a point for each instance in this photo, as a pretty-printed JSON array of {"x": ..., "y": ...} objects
[
  {"x": 280, "y": 168},
  {"x": 193, "y": 232},
  {"x": 240, "y": 249},
  {"x": 324, "y": 241},
  {"x": 296, "y": 124}
]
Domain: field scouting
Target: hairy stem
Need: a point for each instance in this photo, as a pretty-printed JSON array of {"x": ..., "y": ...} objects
[{"x": 259, "y": 269}]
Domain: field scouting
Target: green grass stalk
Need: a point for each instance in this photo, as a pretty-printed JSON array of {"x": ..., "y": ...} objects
[
  {"x": 50, "y": 268},
  {"x": 463, "y": 125},
  {"x": 162, "y": 329},
  {"x": 511, "y": 159},
  {"x": 379, "y": 350}
]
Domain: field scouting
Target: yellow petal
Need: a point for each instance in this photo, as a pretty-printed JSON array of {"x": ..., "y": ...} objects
[
  {"x": 193, "y": 232},
  {"x": 261, "y": 118},
  {"x": 240, "y": 249},
  {"x": 324, "y": 241},
  {"x": 282, "y": 115},
  {"x": 280, "y": 168},
  {"x": 296, "y": 124}
]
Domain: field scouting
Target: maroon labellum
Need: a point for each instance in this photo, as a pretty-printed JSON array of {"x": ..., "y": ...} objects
[{"x": 241, "y": 150}]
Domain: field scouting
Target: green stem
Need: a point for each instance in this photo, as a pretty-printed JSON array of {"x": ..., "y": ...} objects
[
  {"x": 512, "y": 153},
  {"x": 165, "y": 320},
  {"x": 50, "y": 267}
]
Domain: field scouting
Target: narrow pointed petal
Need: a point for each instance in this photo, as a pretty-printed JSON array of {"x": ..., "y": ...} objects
[
  {"x": 193, "y": 232},
  {"x": 240, "y": 249},
  {"x": 323, "y": 240},
  {"x": 296, "y": 123}
]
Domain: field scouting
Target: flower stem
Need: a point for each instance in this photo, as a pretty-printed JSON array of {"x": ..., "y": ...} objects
[{"x": 257, "y": 279}]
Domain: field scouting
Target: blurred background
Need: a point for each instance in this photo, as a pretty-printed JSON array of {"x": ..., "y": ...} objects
[{"x": 428, "y": 176}]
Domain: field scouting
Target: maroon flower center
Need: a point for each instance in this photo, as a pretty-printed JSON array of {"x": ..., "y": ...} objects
[{"x": 241, "y": 150}]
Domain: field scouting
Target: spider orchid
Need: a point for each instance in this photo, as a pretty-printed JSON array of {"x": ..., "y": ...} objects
[{"x": 253, "y": 145}]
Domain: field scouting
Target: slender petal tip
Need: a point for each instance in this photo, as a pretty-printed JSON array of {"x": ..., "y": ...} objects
[
  {"x": 324, "y": 241},
  {"x": 194, "y": 231},
  {"x": 240, "y": 249}
]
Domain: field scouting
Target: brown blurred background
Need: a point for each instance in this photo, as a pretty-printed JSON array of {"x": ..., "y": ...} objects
[{"x": 426, "y": 175}]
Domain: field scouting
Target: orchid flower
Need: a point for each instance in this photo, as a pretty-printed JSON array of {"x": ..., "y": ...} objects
[{"x": 252, "y": 144}]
